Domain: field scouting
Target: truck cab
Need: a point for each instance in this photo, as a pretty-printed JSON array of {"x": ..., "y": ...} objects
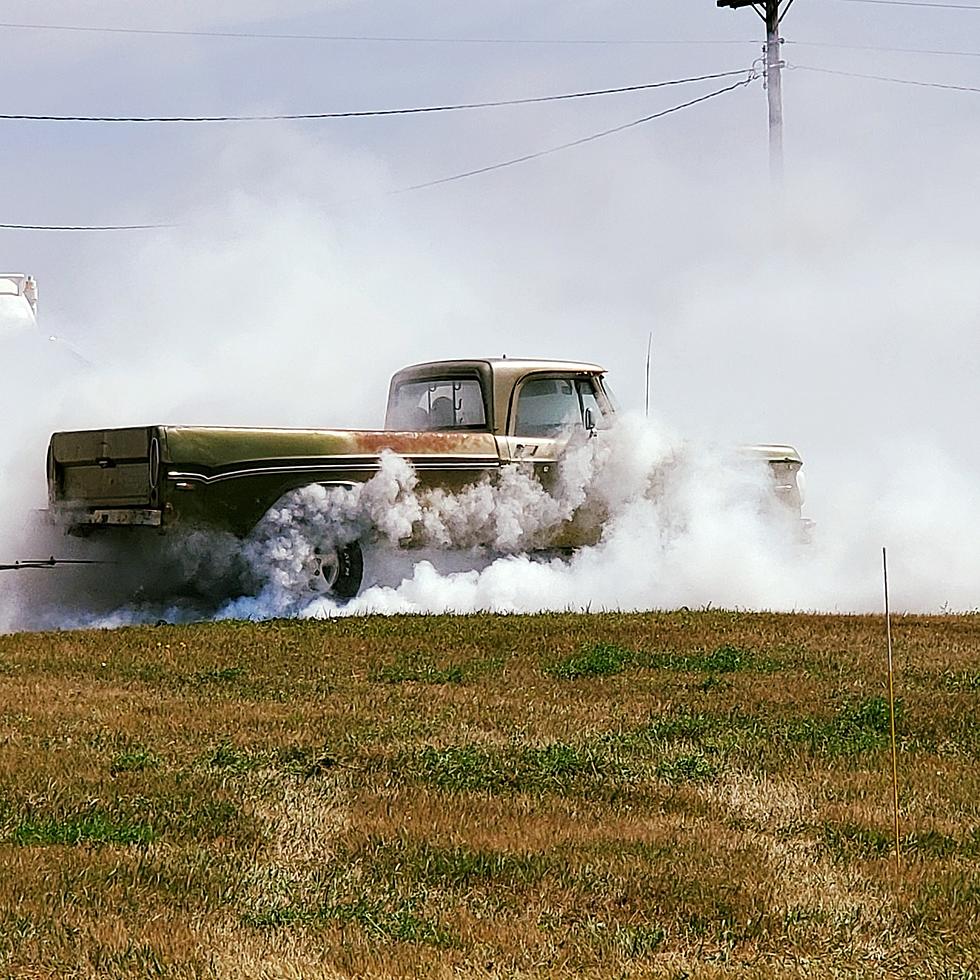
[{"x": 531, "y": 407}]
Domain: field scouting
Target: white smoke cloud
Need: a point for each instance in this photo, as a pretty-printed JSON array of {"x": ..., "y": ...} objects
[
  {"x": 850, "y": 334},
  {"x": 686, "y": 524},
  {"x": 672, "y": 523},
  {"x": 680, "y": 524}
]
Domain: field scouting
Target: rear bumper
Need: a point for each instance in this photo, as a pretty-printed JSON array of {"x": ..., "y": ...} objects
[{"x": 109, "y": 517}]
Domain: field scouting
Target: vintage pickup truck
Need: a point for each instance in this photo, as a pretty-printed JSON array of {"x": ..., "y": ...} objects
[{"x": 457, "y": 422}]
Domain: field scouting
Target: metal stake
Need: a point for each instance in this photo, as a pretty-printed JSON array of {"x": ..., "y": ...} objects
[{"x": 891, "y": 711}]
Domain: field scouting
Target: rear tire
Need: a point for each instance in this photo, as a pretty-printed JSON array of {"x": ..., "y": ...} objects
[{"x": 339, "y": 572}]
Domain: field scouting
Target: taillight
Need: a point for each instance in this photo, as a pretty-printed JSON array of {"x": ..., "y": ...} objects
[
  {"x": 52, "y": 475},
  {"x": 154, "y": 464}
]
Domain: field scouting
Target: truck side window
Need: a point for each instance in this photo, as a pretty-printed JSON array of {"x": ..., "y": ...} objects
[
  {"x": 438, "y": 404},
  {"x": 547, "y": 407},
  {"x": 550, "y": 406}
]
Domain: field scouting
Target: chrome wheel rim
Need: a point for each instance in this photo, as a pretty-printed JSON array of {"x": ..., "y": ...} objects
[{"x": 326, "y": 571}]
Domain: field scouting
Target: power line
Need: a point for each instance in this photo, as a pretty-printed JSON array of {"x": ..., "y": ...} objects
[
  {"x": 876, "y": 47},
  {"x": 919, "y": 3},
  {"x": 368, "y": 38},
  {"x": 579, "y": 142},
  {"x": 362, "y": 113},
  {"x": 453, "y": 177},
  {"x": 886, "y": 78},
  {"x": 82, "y": 227}
]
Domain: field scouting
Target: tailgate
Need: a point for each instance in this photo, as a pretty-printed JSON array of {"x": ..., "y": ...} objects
[{"x": 104, "y": 467}]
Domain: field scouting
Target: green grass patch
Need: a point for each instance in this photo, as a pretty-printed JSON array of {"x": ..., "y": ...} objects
[
  {"x": 858, "y": 727},
  {"x": 712, "y": 683},
  {"x": 419, "y": 670},
  {"x": 711, "y": 732},
  {"x": 145, "y": 673},
  {"x": 631, "y": 941},
  {"x": 228, "y": 758},
  {"x": 220, "y": 675},
  {"x": 557, "y": 767},
  {"x": 402, "y": 924},
  {"x": 597, "y": 660},
  {"x": 607, "y": 659},
  {"x": 848, "y": 841},
  {"x": 304, "y": 762},
  {"x": 236, "y": 682},
  {"x": 693, "y": 768},
  {"x": 638, "y": 941},
  {"x": 684, "y": 727},
  {"x": 95, "y": 827},
  {"x": 426, "y": 668},
  {"x": 420, "y": 863},
  {"x": 135, "y": 759},
  {"x": 961, "y": 680},
  {"x": 845, "y": 841},
  {"x": 725, "y": 659}
]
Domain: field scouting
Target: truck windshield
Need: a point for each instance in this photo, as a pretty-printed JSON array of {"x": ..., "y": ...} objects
[{"x": 449, "y": 403}]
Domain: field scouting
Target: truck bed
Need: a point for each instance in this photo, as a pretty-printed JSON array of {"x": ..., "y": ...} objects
[{"x": 228, "y": 477}]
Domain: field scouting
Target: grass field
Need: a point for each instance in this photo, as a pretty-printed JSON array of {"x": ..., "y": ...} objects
[{"x": 677, "y": 795}]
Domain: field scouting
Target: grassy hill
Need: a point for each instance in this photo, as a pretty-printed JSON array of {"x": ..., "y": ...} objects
[{"x": 683, "y": 795}]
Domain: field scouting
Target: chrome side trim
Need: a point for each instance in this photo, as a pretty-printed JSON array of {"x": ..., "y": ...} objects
[{"x": 365, "y": 464}]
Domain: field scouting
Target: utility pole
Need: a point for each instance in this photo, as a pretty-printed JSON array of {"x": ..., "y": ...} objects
[
  {"x": 774, "y": 89},
  {"x": 772, "y": 13}
]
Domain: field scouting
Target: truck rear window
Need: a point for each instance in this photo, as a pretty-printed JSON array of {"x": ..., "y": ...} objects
[{"x": 440, "y": 404}]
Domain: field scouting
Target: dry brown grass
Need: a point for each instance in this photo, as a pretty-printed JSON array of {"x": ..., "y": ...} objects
[{"x": 661, "y": 795}]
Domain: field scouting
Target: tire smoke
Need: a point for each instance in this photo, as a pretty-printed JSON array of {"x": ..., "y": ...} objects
[{"x": 669, "y": 522}]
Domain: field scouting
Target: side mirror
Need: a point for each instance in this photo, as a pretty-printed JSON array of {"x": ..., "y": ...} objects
[{"x": 589, "y": 421}]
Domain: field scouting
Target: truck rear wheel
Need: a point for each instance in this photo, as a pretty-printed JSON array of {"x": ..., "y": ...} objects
[{"x": 339, "y": 571}]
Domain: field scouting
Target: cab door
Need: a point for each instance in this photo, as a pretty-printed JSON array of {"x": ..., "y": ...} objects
[{"x": 547, "y": 412}]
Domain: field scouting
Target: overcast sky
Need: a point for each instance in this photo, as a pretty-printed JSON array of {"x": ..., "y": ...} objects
[{"x": 843, "y": 320}]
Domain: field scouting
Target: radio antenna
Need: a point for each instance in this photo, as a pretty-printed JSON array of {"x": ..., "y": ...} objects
[{"x": 649, "y": 348}]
